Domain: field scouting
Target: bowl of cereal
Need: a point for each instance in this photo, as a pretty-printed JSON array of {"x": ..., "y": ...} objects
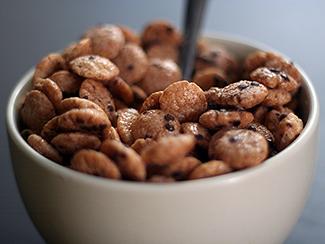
[{"x": 110, "y": 145}]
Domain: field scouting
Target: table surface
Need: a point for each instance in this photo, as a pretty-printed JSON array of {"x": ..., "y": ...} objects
[{"x": 31, "y": 29}]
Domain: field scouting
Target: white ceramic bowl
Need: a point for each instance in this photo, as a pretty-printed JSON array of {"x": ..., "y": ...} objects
[{"x": 257, "y": 205}]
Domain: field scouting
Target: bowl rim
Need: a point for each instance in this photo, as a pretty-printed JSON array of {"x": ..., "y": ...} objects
[{"x": 310, "y": 126}]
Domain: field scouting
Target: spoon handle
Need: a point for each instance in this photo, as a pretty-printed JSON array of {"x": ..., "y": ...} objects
[{"x": 191, "y": 27}]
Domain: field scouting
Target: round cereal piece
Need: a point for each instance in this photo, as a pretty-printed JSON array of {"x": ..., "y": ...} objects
[
  {"x": 48, "y": 65},
  {"x": 216, "y": 57},
  {"x": 69, "y": 143},
  {"x": 129, "y": 35},
  {"x": 239, "y": 148},
  {"x": 276, "y": 97},
  {"x": 210, "y": 77},
  {"x": 214, "y": 119},
  {"x": 68, "y": 82},
  {"x": 210, "y": 169},
  {"x": 94, "y": 67},
  {"x": 77, "y": 102},
  {"x": 141, "y": 143},
  {"x": 111, "y": 134},
  {"x": 50, "y": 89},
  {"x": 163, "y": 51},
  {"x": 160, "y": 179},
  {"x": 183, "y": 99},
  {"x": 128, "y": 161},
  {"x": 242, "y": 94},
  {"x": 287, "y": 130},
  {"x": 95, "y": 163},
  {"x": 77, "y": 49},
  {"x": 180, "y": 169},
  {"x": 155, "y": 124},
  {"x": 36, "y": 110},
  {"x": 159, "y": 75},
  {"x": 260, "y": 113},
  {"x": 160, "y": 32},
  {"x": 201, "y": 134},
  {"x": 121, "y": 90},
  {"x": 106, "y": 40},
  {"x": 269, "y": 77},
  {"x": 261, "y": 129},
  {"x": 125, "y": 120},
  {"x": 96, "y": 92},
  {"x": 44, "y": 148},
  {"x": 132, "y": 63},
  {"x": 151, "y": 102},
  {"x": 160, "y": 153},
  {"x": 50, "y": 129},
  {"x": 83, "y": 120}
]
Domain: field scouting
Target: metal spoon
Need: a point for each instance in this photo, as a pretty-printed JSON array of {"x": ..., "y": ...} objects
[{"x": 191, "y": 28}]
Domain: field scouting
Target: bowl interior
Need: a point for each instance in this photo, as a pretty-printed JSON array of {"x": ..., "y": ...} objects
[{"x": 238, "y": 46}]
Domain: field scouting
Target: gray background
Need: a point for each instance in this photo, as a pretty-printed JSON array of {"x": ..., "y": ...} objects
[{"x": 31, "y": 29}]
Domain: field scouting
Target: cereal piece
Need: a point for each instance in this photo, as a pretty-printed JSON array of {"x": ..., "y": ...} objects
[
  {"x": 50, "y": 129},
  {"x": 155, "y": 124},
  {"x": 129, "y": 35},
  {"x": 68, "y": 82},
  {"x": 260, "y": 113},
  {"x": 159, "y": 75},
  {"x": 128, "y": 161},
  {"x": 132, "y": 63},
  {"x": 210, "y": 77},
  {"x": 210, "y": 169},
  {"x": 163, "y": 51},
  {"x": 214, "y": 119},
  {"x": 239, "y": 148},
  {"x": 269, "y": 77},
  {"x": 36, "y": 110},
  {"x": 287, "y": 130},
  {"x": 78, "y": 49},
  {"x": 201, "y": 134},
  {"x": 50, "y": 89},
  {"x": 86, "y": 120},
  {"x": 77, "y": 102},
  {"x": 111, "y": 134},
  {"x": 271, "y": 60},
  {"x": 160, "y": 32},
  {"x": 160, "y": 153},
  {"x": 139, "y": 94},
  {"x": 276, "y": 97},
  {"x": 121, "y": 90},
  {"x": 95, "y": 163},
  {"x": 106, "y": 40},
  {"x": 125, "y": 120},
  {"x": 141, "y": 143},
  {"x": 44, "y": 148},
  {"x": 183, "y": 99},
  {"x": 160, "y": 179},
  {"x": 243, "y": 94},
  {"x": 261, "y": 129},
  {"x": 151, "y": 102},
  {"x": 94, "y": 67},
  {"x": 96, "y": 92},
  {"x": 69, "y": 143},
  {"x": 181, "y": 168},
  {"x": 216, "y": 57},
  {"x": 48, "y": 65}
]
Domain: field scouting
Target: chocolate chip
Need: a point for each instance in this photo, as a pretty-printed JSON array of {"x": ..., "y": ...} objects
[
  {"x": 284, "y": 76},
  {"x": 169, "y": 127},
  {"x": 91, "y": 57},
  {"x": 169, "y": 117},
  {"x": 233, "y": 139},
  {"x": 255, "y": 83},
  {"x": 169, "y": 29},
  {"x": 289, "y": 125},
  {"x": 110, "y": 108},
  {"x": 276, "y": 71}
]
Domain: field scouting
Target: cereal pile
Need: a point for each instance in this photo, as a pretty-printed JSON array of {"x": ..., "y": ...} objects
[{"x": 114, "y": 105}]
